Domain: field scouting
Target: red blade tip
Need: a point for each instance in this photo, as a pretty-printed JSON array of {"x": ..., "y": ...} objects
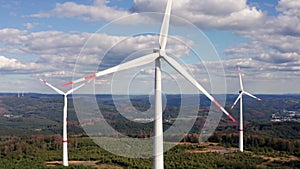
[
  {"x": 90, "y": 77},
  {"x": 44, "y": 81},
  {"x": 231, "y": 118},
  {"x": 67, "y": 84}
]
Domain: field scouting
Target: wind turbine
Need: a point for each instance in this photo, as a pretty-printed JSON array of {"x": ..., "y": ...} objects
[
  {"x": 240, "y": 97},
  {"x": 65, "y": 94},
  {"x": 157, "y": 55}
]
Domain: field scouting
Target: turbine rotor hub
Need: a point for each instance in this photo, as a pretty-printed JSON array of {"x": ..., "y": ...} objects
[{"x": 160, "y": 51}]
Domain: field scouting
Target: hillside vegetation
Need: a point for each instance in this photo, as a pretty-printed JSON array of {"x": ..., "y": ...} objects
[{"x": 30, "y": 136}]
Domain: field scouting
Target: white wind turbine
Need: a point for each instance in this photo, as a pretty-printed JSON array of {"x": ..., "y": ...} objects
[
  {"x": 65, "y": 117},
  {"x": 240, "y": 97},
  {"x": 157, "y": 55}
]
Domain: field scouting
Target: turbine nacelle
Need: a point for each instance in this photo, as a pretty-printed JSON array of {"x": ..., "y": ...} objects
[{"x": 161, "y": 52}]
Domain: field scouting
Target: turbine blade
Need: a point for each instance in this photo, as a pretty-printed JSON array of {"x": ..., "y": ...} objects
[
  {"x": 77, "y": 87},
  {"x": 165, "y": 26},
  {"x": 241, "y": 82},
  {"x": 188, "y": 77},
  {"x": 238, "y": 98},
  {"x": 52, "y": 87},
  {"x": 127, "y": 65},
  {"x": 249, "y": 94}
]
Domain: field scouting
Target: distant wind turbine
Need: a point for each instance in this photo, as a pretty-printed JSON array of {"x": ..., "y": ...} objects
[
  {"x": 157, "y": 55},
  {"x": 65, "y": 94},
  {"x": 240, "y": 97}
]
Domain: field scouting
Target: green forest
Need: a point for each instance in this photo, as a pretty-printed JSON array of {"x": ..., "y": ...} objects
[
  {"x": 36, "y": 151},
  {"x": 31, "y": 137}
]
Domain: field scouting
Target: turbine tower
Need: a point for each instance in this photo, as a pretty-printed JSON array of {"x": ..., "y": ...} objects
[
  {"x": 157, "y": 55},
  {"x": 65, "y": 117},
  {"x": 240, "y": 97}
]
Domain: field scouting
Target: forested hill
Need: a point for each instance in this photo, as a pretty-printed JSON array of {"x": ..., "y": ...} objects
[{"x": 42, "y": 114}]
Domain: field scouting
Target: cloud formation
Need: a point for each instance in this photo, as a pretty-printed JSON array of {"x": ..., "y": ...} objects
[
  {"x": 94, "y": 12},
  {"x": 271, "y": 52},
  {"x": 60, "y": 50},
  {"x": 274, "y": 42},
  {"x": 12, "y": 65},
  {"x": 232, "y": 14}
]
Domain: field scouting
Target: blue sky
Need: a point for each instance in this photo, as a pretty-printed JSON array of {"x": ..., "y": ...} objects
[{"x": 44, "y": 39}]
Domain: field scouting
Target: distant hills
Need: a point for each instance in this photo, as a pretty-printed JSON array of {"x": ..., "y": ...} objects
[{"x": 42, "y": 113}]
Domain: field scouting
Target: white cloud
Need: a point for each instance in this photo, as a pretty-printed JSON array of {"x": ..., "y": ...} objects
[
  {"x": 54, "y": 50},
  {"x": 222, "y": 14},
  {"x": 259, "y": 77},
  {"x": 101, "y": 82},
  {"x": 30, "y": 25},
  {"x": 59, "y": 51},
  {"x": 274, "y": 51},
  {"x": 12, "y": 36},
  {"x": 278, "y": 58},
  {"x": 289, "y": 7},
  {"x": 50, "y": 42},
  {"x": 11, "y": 65},
  {"x": 54, "y": 74},
  {"x": 276, "y": 41},
  {"x": 7, "y": 63},
  {"x": 147, "y": 71},
  {"x": 51, "y": 47},
  {"x": 97, "y": 11},
  {"x": 279, "y": 33}
]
